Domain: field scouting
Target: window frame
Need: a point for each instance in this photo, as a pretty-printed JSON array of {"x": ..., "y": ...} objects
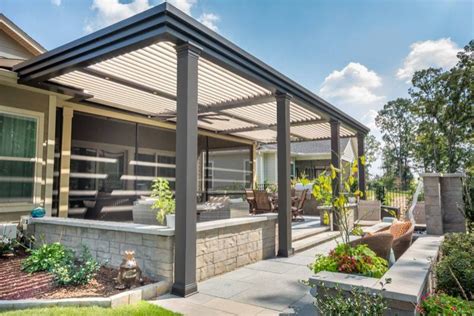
[{"x": 10, "y": 207}]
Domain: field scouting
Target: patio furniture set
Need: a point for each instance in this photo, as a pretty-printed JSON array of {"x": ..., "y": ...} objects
[{"x": 261, "y": 201}]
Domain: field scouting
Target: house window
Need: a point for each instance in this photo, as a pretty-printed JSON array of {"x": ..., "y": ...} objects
[{"x": 20, "y": 155}]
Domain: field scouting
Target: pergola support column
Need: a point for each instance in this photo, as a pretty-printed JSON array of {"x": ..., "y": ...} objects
[
  {"x": 285, "y": 248},
  {"x": 336, "y": 154},
  {"x": 361, "y": 171},
  {"x": 186, "y": 170}
]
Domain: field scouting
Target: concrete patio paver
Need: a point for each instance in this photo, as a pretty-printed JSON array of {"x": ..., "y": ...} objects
[{"x": 269, "y": 287}]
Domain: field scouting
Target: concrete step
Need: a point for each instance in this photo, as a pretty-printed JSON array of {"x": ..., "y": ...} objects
[
  {"x": 299, "y": 234},
  {"x": 309, "y": 242}
]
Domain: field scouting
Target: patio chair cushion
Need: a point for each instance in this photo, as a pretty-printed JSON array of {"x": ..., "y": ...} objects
[{"x": 399, "y": 228}]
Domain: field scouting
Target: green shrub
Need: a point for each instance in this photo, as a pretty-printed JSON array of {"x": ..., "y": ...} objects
[
  {"x": 357, "y": 302},
  {"x": 442, "y": 304},
  {"x": 353, "y": 260},
  {"x": 46, "y": 257},
  {"x": 457, "y": 257},
  {"x": 79, "y": 271}
]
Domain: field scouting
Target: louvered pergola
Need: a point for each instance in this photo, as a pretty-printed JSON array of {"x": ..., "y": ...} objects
[{"x": 165, "y": 65}]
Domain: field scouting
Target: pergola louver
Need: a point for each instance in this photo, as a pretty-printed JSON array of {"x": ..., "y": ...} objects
[{"x": 164, "y": 64}]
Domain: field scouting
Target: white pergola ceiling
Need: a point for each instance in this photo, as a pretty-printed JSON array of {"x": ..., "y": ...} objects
[{"x": 144, "y": 81}]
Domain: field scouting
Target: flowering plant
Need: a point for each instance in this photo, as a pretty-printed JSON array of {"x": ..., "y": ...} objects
[
  {"x": 443, "y": 304},
  {"x": 352, "y": 260}
]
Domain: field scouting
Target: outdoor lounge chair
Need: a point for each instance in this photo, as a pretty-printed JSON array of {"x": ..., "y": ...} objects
[
  {"x": 297, "y": 209},
  {"x": 263, "y": 202},
  {"x": 403, "y": 242},
  {"x": 380, "y": 243}
]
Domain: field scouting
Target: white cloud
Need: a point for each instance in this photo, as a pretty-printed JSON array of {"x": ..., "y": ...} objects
[
  {"x": 209, "y": 20},
  {"x": 183, "y": 5},
  {"x": 354, "y": 85},
  {"x": 111, "y": 11},
  {"x": 438, "y": 53},
  {"x": 56, "y": 2},
  {"x": 108, "y": 12},
  {"x": 369, "y": 119}
]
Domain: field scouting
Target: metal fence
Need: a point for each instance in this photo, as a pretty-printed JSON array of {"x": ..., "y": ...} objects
[{"x": 393, "y": 197}]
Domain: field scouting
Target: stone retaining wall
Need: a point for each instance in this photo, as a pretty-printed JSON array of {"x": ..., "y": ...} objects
[
  {"x": 222, "y": 245},
  {"x": 107, "y": 243},
  {"x": 221, "y": 250}
]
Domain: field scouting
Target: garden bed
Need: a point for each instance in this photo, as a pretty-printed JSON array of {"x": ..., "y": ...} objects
[{"x": 17, "y": 284}]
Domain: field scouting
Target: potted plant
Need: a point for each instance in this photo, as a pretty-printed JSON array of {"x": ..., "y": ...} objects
[{"x": 165, "y": 204}]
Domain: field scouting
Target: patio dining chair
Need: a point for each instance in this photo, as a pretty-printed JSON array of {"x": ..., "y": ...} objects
[
  {"x": 402, "y": 238},
  {"x": 250, "y": 197},
  {"x": 297, "y": 208},
  {"x": 263, "y": 202}
]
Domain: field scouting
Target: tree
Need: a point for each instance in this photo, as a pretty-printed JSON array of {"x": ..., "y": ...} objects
[
  {"x": 397, "y": 126},
  {"x": 443, "y": 109},
  {"x": 372, "y": 152}
]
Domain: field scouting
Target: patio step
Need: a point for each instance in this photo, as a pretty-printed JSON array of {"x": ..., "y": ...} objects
[
  {"x": 308, "y": 232},
  {"x": 309, "y": 242}
]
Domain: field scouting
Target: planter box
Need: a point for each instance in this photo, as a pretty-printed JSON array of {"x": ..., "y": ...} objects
[{"x": 411, "y": 278}]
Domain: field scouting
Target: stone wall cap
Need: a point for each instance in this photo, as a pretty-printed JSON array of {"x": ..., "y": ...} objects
[
  {"x": 444, "y": 175},
  {"x": 221, "y": 223},
  {"x": 115, "y": 226}
]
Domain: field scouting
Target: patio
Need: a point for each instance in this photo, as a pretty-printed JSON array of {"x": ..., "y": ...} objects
[
  {"x": 145, "y": 70},
  {"x": 246, "y": 291}
]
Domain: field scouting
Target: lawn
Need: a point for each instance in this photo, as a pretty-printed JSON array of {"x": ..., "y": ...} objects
[{"x": 140, "y": 309}]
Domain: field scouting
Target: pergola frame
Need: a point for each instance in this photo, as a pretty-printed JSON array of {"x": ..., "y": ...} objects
[{"x": 192, "y": 42}]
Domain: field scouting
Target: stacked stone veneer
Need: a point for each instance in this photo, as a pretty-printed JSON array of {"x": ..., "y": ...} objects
[
  {"x": 443, "y": 198},
  {"x": 108, "y": 241},
  {"x": 223, "y": 249},
  {"x": 222, "y": 246}
]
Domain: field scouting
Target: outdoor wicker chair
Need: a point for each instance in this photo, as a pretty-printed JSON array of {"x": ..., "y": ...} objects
[
  {"x": 297, "y": 209},
  {"x": 263, "y": 202},
  {"x": 403, "y": 242},
  {"x": 380, "y": 243}
]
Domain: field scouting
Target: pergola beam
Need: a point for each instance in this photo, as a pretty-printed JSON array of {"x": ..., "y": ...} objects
[
  {"x": 234, "y": 104},
  {"x": 127, "y": 83},
  {"x": 269, "y": 126}
]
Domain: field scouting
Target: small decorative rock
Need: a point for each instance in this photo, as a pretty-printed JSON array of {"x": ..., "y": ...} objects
[{"x": 129, "y": 273}]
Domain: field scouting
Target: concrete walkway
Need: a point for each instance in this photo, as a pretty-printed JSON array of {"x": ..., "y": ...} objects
[{"x": 269, "y": 287}]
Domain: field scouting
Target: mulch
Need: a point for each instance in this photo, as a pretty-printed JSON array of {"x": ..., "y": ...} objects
[{"x": 16, "y": 284}]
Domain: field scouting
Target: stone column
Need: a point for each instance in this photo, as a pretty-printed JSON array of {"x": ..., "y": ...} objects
[
  {"x": 285, "y": 248},
  {"x": 452, "y": 202},
  {"x": 186, "y": 170},
  {"x": 433, "y": 208}
]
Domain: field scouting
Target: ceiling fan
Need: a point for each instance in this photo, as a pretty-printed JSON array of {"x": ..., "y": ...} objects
[{"x": 203, "y": 117}]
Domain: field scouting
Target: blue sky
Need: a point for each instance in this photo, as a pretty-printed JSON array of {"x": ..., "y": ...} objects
[{"x": 356, "y": 54}]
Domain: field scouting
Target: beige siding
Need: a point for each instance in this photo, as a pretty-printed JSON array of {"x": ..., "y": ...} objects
[{"x": 11, "y": 49}]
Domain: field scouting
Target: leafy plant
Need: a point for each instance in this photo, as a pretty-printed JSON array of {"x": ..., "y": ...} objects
[
  {"x": 455, "y": 270},
  {"x": 354, "y": 260},
  {"x": 357, "y": 301},
  {"x": 165, "y": 203},
  {"x": 47, "y": 257},
  {"x": 7, "y": 245},
  {"x": 79, "y": 271},
  {"x": 323, "y": 191},
  {"x": 443, "y": 304}
]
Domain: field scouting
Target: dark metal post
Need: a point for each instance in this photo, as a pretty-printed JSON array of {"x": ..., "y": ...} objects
[
  {"x": 336, "y": 154},
  {"x": 186, "y": 170},
  {"x": 285, "y": 248},
  {"x": 361, "y": 172}
]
